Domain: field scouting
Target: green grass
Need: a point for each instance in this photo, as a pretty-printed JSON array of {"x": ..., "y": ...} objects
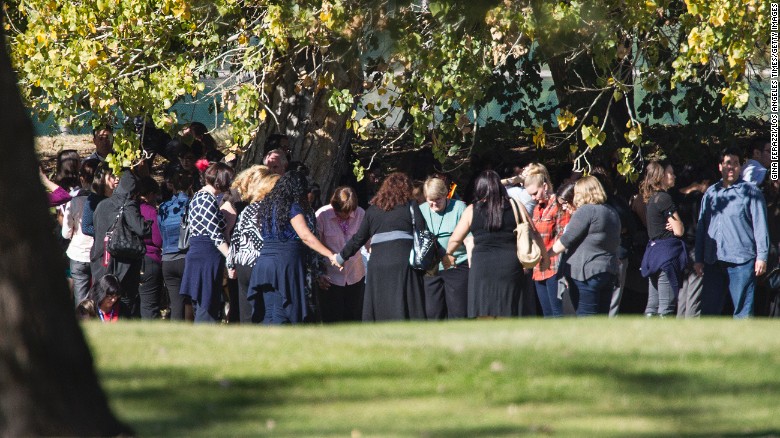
[{"x": 597, "y": 377}]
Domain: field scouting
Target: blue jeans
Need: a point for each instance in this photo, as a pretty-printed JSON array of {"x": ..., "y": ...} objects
[
  {"x": 741, "y": 281},
  {"x": 592, "y": 296},
  {"x": 547, "y": 291}
]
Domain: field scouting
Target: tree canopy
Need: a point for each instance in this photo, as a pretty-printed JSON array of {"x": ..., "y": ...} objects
[{"x": 332, "y": 70}]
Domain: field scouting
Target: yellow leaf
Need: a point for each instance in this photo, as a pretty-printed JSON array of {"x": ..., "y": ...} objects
[
  {"x": 262, "y": 115},
  {"x": 539, "y": 138},
  {"x": 720, "y": 17},
  {"x": 242, "y": 39},
  {"x": 566, "y": 119}
]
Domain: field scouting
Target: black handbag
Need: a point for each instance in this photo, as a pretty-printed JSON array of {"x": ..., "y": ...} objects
[
  {"x": 184, "y": 230},
  {"x": 123, "y": 243},
  {"x": 423, "y": 255}
]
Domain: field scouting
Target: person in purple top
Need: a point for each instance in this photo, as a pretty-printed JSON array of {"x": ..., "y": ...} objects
[{"x": 150, "y": 287}]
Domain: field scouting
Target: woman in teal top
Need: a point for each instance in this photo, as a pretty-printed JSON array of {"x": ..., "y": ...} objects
[{"x": 447, "y": 289}]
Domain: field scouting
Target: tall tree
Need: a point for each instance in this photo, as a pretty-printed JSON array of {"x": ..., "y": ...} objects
[
  {"x": 48, "y": 385},
  {"x": 327, "y": 71}
]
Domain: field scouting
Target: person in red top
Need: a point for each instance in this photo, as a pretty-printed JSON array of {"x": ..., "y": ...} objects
[{"x": 550, "y": 220}]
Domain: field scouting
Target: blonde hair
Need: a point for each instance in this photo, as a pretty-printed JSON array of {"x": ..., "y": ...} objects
[
  {"x": 247, "y": 179},
  {"x": 435, "y": 188},
  {"x": 588, "y": 190},
  {"x": 537, "y": 174},
  {"x": 263, "y": 187}
]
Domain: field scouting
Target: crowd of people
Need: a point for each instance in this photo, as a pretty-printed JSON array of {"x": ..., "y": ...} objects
[{"x": 258, "y": 247}]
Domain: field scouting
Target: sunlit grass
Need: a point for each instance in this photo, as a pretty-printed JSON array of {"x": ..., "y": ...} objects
[{"x": 624, "y": 377}]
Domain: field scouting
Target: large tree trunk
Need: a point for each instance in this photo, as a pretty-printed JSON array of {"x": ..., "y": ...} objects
[
  {"x": 318, "y": 134},
  {"x": 47, "y": 382}
]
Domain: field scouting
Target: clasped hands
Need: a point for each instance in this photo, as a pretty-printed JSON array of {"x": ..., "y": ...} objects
[{"x": 334, "y": 261}]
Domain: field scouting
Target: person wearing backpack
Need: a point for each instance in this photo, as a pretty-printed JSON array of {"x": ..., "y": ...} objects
[{"x": 107, "y": 217}]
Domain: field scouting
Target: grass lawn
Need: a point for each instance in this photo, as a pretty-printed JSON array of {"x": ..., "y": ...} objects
[{"x": 596, "y": 377}]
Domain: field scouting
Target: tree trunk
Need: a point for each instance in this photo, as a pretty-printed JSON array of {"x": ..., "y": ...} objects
[
  {"x": 47, "y": 382},
  {"x": 317, "y": 133}
]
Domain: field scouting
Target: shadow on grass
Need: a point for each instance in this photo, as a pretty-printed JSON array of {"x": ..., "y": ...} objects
[
  {"x": 173, "y": 401},
  {"x": 331, "y": 401}
]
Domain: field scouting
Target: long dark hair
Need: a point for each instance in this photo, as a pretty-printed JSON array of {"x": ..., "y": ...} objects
[
  {"x": 492, "y": 198},
  {"x": 67, "y": 175},
  {"x": 98, "y": 181},
  {"x": 291, "y": 188}
]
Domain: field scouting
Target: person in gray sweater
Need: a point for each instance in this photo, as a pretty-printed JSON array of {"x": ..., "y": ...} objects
[{"x": 591, "y": 242}]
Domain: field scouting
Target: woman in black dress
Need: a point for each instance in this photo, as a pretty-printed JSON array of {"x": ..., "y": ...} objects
[
  {"x": 394, "y": 291},
  {"x": 496, "y": 276}
]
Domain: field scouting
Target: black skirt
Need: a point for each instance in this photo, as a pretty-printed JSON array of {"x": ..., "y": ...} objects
[{"x": 394, "y": 291}]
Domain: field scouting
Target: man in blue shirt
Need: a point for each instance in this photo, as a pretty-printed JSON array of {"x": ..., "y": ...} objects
[{"x": 732, "y": 239}]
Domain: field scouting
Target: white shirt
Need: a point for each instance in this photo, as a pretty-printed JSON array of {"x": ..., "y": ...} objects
[
  {"x": 80, "y": 244},
  {"x": 754, "y": 172}
]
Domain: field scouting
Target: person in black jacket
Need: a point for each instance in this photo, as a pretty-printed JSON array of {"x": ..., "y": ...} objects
[{"x": 126, "y": 271}]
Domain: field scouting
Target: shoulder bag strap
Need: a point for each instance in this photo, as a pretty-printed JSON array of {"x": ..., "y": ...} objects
[
  {"x": 411, "y": 210},
  {"x": 185, "y": 216},
  {"x": 118, "y": 216},
  {"x": 527, "y": 217},
  {"x": 514, "y": 210}
]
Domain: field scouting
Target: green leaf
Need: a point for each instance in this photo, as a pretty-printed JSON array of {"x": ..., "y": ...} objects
[{"x": 358, "y": 170}]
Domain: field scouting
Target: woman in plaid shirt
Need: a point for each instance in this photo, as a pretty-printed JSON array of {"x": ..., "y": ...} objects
[{"x": 550, "y": 220}]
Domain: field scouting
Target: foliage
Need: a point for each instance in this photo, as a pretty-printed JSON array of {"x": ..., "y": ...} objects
[
  {"x": 460, "y": 378},
  {"x": 95, "y": 61},
  {"x": 425, "y": 69}
]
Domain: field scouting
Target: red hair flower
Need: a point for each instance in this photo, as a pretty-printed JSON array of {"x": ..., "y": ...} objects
[{"x": 202, "y": 164}]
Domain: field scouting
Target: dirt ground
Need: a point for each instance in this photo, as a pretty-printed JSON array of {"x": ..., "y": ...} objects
[{"x": 48, "y": 147}]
